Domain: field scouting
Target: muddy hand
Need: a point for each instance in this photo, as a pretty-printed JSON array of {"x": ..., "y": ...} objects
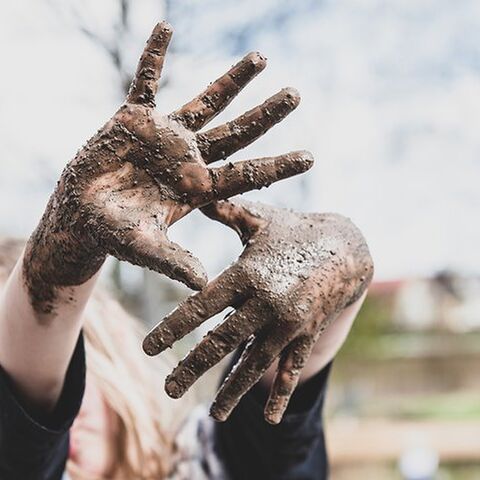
[
  {"x": 143, "y": 171},
  {"x": 297, "y": 272}
]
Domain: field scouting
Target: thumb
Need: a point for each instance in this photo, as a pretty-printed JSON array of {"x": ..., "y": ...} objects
[
  {"x": 236, "y": 215},
  {"x": 162, "y": 256},
  {"x": 179, "y": 264}
]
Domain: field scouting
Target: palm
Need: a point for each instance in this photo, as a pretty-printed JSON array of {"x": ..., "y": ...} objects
[
  {"x": 296, "y": 274},
  {"x": 143, "y": 171}
]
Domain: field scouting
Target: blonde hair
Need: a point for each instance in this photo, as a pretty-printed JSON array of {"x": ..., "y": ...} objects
[{"x": 129, "y": 382}]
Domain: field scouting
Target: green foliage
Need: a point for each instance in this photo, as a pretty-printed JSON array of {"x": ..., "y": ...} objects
[{"x": 373, "y": 321}]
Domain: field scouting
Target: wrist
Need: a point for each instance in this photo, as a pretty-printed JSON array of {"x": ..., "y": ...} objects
[{"x": 56, "y": 257}]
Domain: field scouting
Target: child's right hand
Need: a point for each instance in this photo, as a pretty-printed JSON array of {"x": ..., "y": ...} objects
[{"x": 143, "y": 171}]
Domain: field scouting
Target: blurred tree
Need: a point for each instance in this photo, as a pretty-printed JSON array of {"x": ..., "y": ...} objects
[{"x": 111, "y": 27}]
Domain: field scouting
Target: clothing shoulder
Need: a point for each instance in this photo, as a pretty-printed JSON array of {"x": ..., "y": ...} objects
[{"x": 195, "y": 449}]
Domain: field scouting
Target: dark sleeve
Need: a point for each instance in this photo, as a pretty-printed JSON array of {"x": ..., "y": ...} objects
[
  {"x": 295, "y": 449},
  {"x": 34, "y": 447}
]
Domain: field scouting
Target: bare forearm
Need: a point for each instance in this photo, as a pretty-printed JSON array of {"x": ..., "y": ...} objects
[{"x": 35, "y": 346}]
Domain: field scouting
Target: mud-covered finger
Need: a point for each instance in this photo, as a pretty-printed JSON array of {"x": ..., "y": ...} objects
[
  {"x": 218, "y": 343},
  {"x": 220, "y": 142},
  {"x": 253, "y": 363},
  {"x": 222, "y": 292},
  {"x": 240, "y": 177},
  {"x": 160, "y": 255},
  {"x": 235, "y": 216},
  {"x": 203, "y": 108},
  {"x": 145, "y": 82},
  {"x": 293, "y": 359}
]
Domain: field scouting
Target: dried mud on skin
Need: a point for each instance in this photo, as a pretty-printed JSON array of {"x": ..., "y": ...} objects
[
  {"x": 143, "y": 171},
  {"x": 297, "y": 272}
]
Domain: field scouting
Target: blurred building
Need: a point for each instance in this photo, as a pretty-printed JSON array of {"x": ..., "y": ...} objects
[{"x": 447, "y": 301}]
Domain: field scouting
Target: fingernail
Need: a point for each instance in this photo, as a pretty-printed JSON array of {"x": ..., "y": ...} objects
[
  {"x": 293, "y": 94},
  {"x": 173, "y": 389},
  {"x": 218, "y": 414},
  {"x": 257, "y": 59},
  {"x": 150, "y": 347},
  {"x": 273, "y": 419}
]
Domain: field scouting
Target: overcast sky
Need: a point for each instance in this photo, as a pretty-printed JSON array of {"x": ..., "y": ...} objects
[{"x": 390, "y": 102}]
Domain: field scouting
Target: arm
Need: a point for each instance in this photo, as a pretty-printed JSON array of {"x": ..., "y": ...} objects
[
  {"x": 36, "y": 348},
  {"x": 139, "y": 174}
]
